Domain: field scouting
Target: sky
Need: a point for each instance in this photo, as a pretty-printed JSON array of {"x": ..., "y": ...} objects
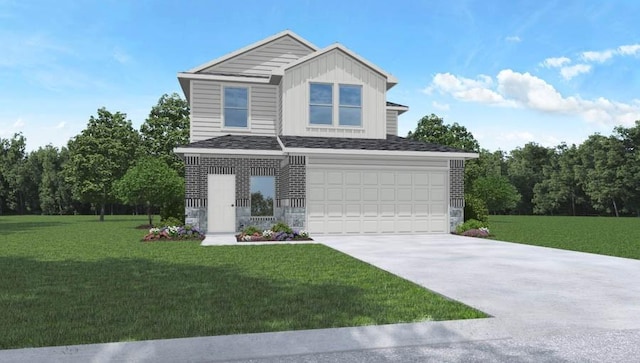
[{"x": 511, "y": 72}]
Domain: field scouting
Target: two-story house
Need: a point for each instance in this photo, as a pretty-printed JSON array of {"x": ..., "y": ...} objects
[{"x": 283, "y": 130}]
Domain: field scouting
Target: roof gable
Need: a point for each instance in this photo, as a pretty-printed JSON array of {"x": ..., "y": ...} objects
[
  {"x": 260, "y": 57},
  {"x": 391, "y": 80}
]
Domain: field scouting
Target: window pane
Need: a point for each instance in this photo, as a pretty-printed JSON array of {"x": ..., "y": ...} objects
[
  {"x": 350, "y": 116},
  {"x": 321, "y": 115},
  {"x": 350, "y": 95},
  {"x": 234, "y": 117},
  {"x": 263, "y": 192},
  {"x": 235, "y": 97},
  {"x": 321, "y": 94}
]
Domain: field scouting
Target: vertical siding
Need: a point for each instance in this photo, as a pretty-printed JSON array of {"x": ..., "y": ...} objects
[
  {"x": 264, "y": 59},
  {"x": 392, "y": 122},
  {"x": 206, "y": 110},
  {"x": 334, "y": 67}
]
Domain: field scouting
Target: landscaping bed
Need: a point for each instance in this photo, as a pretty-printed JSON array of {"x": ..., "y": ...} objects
[{"x": 279, "y": 232}]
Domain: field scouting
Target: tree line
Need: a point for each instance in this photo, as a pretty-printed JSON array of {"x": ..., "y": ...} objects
[
  {"x": 112, "y": 165},
  {"x": 108, "y": 165},
  {"x": 601, "y": 176}
]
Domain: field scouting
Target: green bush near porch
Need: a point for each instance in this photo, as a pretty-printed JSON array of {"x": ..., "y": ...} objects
[{"x": 74, "y": 280}]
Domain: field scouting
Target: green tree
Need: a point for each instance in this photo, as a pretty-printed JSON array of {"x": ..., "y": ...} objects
[
  {"x": 629, "y": 172},
  {"x": 432, "y": 129},
  {"x": 100, "y": 155},
  {"x": 12, "y": 173},
  {"x": 525, "y": 169},
  {"x": 166, "y": 128},
  {"x": 53, "y": 192},
  {"x": 497, "y": 192},
  {"x": 152, "y": 183},
  {"x": 560, "y": 189}
]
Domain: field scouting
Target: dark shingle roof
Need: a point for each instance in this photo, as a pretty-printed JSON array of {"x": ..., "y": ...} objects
[
  {"x": 393, "y": 104},
  {"x": 391, "y": 143},
  {"x": 243, "y": 142}
]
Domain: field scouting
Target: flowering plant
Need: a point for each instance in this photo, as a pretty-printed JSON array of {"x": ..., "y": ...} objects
[
  {"x": 279, "y": 232},
  {"x": 187, "y": 232}
]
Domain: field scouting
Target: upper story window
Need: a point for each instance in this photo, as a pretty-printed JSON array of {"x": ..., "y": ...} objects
[
  {"x": 349, "y": 104},
  {"x": 236, "y": 107},
  {"x": 321, "y": 104},
  {"x": 350, "y": 109}
]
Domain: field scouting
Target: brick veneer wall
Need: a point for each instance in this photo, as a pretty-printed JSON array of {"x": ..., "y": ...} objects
[
  {"x": 290, "y": 184},
  {"x": 456, "y": 193}
]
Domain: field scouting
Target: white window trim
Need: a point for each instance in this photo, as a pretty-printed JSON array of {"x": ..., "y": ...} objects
[
  {"x": 349, "y": 106},
  {"x": 333, "y": 95},
  {"x": 335, "y": 107},
  {"x": 235, "y": 128}
]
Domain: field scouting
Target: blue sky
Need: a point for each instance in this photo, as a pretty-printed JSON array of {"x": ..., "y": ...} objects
[{"x": 510, "y": 71}]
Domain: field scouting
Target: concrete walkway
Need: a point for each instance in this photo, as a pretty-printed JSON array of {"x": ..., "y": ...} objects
[{"x": 548, "y": 305}]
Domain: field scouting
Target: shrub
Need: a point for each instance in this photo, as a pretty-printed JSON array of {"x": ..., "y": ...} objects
[
  {"x": 171, "y": 221},
  {"x": 470, "y": 224},
  {"x": 170, "y": 233},
  {"x": 281, "y": 227},
  {"x": 251, "y": 230},
  {"x": 475, "y": 208}
]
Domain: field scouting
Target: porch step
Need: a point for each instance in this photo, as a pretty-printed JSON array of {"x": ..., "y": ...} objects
[{"x": 219, "y": 239}]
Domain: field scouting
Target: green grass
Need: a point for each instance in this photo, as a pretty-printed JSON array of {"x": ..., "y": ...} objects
[
  {"x": 73, "y": 280},
  {"x": 602, "y": 235}
]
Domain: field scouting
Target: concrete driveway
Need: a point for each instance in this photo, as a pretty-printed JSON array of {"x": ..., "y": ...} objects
[{"x": 530, "y": 290}]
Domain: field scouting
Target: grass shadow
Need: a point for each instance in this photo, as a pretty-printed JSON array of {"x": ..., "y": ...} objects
[{"x": 50, "y": 303}]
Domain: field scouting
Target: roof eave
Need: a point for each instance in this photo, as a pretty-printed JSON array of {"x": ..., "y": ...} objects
[{"x": 394, "y": 153}]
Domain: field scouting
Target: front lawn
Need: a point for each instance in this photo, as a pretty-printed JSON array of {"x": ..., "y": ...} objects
[
  {"x": 73, "y": 280},
  {"x": 602, "y": 235}
]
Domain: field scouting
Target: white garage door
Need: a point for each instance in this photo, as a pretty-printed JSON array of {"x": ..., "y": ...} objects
[{"x": 358, "y": 201}]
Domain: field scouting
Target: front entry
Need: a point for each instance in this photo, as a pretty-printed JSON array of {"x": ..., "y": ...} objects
[{"x": 221, "y": 210}]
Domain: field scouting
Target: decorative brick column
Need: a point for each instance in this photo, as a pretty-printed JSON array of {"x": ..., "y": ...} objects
[{"x": 456, "y": 193}]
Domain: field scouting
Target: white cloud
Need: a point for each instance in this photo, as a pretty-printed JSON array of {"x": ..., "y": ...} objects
[
  {"x": 572, "y": 71},
  {"x": 555, "y": 62},
  {"x": 599, "y": 57},
  {"x": 61, "y": 125},
  {"x": 631, "y": 49},
  {"x": 440, "y": 106},
  {"x": 466, "y": 89},
  {"x": 18, "y": 124},
  {"x": 516, "y": 89},
  {"x": 513, "y": 38}
]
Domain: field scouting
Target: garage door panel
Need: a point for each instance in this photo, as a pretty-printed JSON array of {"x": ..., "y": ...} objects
[
  {"x": 353, "y": 210},
  {"x": 370, "y": 178},
  {"x": 316, "y": 178},
  {"x": 356, "y": 200},
  {"x": 352, "y": 226},
  {"x": 370, "y": 194},
  {"x": 404, "y": 210},
  {"x": 403, "y": 179},
  {"x": 387, "y": 194},
  {"x": 334, "y": 194},
  {"x": 370, "y": 210},
  {"x": 387, "y": 210},
  {"x": 316, "y": 194},
  {"x": 335, "y": 210},
  {"x": 352, "y": 178},
  {"x": 404, "y": 195},
  {"x": 352, "y": 194},
  {"x": 316, "y": 210}
]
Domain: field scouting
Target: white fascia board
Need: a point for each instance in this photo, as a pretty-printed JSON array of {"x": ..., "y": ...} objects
[
  {"x": 194, "y": 150},
  {"x": 400, "y": 110},
  {"x": 221, "y": 78},
  {"x": 394, "y": 153},
  {"x": 253, "y": 46}
]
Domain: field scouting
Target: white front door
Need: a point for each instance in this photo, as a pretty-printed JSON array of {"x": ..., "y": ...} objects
[{"x": 221, "y": 210}]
